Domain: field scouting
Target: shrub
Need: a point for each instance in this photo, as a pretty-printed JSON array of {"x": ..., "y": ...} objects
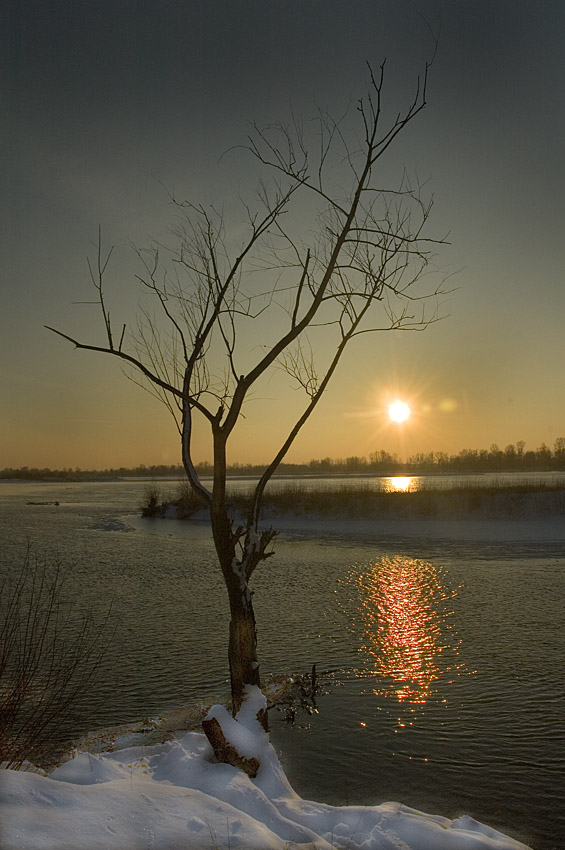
[
  {"x": 187, "y": 502},
  {"x": 48, "y": 658},
  {"x": 152, "y": 502}
]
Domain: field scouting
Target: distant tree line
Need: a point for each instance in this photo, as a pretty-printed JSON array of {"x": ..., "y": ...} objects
[
  {"x": 78, "y": 474},
  {"x": 513, "y": 458}
]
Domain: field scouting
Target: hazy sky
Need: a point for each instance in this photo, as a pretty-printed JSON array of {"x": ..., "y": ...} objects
[{"x": 105, "y": 103}]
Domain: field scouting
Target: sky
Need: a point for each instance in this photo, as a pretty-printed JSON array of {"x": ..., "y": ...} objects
[{"x": 112, "y": 107}]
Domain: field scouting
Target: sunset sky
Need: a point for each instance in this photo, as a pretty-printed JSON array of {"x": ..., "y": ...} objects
[{"x": 108, "y": 104}]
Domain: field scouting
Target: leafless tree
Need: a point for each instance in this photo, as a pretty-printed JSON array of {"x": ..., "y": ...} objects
[{"x": 356, "y": 258}]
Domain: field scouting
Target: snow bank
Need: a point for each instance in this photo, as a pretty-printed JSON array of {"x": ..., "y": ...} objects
[
  {"x": 548, "y": 530},
  {"x": 111, "y": 524},
  {"x": 173, "y": 795}
]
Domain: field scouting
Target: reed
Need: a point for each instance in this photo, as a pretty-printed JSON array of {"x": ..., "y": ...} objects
[{"x": 498, "y": 500}]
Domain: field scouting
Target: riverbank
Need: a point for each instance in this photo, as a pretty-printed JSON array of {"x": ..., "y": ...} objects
[
  {"x": 463, "y": 503},
  {"x": 523, "y": 532},
  {"x": 483, "y": 742},
  {"x": 524, "y": 501},
  {"x": 175, "y": 795}
]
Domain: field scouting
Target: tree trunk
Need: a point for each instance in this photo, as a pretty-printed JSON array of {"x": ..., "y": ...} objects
[
  {"x": 242, "y": 651},
  {"x": 226, "y": 752},
  {"x": 242, "y": 647}
]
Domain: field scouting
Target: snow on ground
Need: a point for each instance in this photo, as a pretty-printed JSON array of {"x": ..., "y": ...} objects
[
  {"x": 538, "y": 529},
  {"x": 546, "y": 530},
  {"x": 173, "y": 796}
]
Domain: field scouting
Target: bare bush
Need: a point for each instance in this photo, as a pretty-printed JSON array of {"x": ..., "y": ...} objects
[
  {"x": 152, "y": 501},
  {"x": 187, "y": 502},
  {"x": 48, "y": 658}
]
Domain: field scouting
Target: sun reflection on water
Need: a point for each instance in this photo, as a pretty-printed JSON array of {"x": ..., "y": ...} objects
[
  {"x": 404, "y": 624},
  {"x": 401, "y": 484}
]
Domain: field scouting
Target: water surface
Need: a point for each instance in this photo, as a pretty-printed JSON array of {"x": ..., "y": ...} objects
[{"x": 446, "y": 655}]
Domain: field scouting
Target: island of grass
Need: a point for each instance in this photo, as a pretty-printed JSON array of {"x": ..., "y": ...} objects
[{"x": 504, "y": 500}]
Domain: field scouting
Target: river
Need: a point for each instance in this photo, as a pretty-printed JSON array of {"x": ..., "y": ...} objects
[{"x": 446, "y": 651}]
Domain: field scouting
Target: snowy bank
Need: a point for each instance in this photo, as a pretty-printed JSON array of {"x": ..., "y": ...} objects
[
  {"x": 506, "y": 501},
  {"x": 174, "y": 795},
  {"x": 541, "y": 529}
]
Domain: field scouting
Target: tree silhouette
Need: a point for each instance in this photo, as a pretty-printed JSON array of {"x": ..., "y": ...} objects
[{"x": 355, "y": 259}]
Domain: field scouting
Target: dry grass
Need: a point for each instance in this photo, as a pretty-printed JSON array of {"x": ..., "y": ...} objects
[
  {"x": 498, "y": 501},
  {"x": 502, "y": 500}
]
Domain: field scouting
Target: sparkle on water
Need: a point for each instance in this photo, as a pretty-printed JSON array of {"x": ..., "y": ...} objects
[{"x": 404, "y": 616}]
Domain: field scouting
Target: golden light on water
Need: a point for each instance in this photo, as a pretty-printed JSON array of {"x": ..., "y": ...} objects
[
  {"x": 400, "y": 484},
  {"x": 401, "y": 614}
]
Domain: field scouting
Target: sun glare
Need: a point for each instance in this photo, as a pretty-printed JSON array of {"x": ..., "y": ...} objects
[
  {"x": 398, "y": 411},
  {"x": 399, "y": 484}
]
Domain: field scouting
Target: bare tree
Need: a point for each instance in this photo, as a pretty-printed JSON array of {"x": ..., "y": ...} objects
[{"x": 355, "y": 259}]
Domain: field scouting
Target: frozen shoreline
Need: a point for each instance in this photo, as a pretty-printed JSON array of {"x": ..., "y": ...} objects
[
  {"x": 547, "y": 530},
  {"x": 174, "y": 795}
]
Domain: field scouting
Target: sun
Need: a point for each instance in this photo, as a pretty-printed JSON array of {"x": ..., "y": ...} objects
[{"x": 398, "y": 411}]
